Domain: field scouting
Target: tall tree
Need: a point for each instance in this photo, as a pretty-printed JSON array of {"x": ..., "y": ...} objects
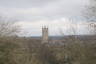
[
  {"x": 8, "y": 46},
  {"x": 90, "y": 16}
]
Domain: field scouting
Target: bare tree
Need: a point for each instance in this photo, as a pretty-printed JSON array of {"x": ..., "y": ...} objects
[
  {"x": 90, "y": 15},
  {"x": 91, "y": 28},
  {"x": 90, "y": 11},
  {"x": 8, "y": 27}
]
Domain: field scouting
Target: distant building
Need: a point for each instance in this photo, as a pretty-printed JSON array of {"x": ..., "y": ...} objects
[{"x": 45, "y": 35}]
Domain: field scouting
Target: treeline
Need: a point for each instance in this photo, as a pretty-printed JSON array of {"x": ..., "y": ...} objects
[{"x": 28, "y": 51}]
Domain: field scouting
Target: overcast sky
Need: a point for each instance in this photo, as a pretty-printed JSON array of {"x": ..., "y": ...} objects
[{"x": 33, "y": 14}]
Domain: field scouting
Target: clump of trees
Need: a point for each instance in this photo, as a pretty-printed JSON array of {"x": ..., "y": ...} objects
[
  {"x": 8, "y": 45},
  {"x": 31, "y": 51}
]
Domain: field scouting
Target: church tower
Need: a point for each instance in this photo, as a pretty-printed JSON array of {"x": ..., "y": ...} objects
[{"x": 44, "y": 34}]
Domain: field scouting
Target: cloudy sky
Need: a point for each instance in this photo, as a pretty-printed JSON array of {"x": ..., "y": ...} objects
[{"x": 33, "y": 14}]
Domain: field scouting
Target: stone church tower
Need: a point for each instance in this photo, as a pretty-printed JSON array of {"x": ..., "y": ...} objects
[{"x": 45, "y": 34}]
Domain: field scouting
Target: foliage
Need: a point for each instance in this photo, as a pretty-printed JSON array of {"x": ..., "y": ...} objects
[{"x": 7, "y": 48}]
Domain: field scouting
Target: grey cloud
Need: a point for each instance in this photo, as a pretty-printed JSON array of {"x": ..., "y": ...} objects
[
  {"x": 38, "y": 3},
  {"x": 24, "y": 3},
  {"x": 45, "y": 8}
]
